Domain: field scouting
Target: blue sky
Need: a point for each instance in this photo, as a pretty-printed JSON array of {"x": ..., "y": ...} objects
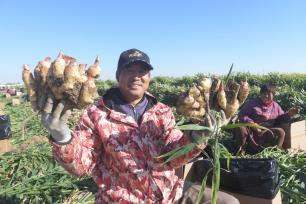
[{"x": 181, "y": 37}]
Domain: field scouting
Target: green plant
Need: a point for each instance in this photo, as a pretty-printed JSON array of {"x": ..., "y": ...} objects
[
  {"x": 213, "y": 135},
  {"x": 32, "y": 176}
]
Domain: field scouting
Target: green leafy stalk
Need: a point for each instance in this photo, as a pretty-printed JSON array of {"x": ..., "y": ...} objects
[
  {"x": 181, "y": 122},
  {"x": 216, "y": 172},
  {"x": 235, "y": 125},
  {"x": 188, "y": 147},
  {"x": 224, "y": 153},
  {"x": 180, "y": 151},
  {"x": 213, "y": 134},
  {"x": 228, "y": 75},
  {"x": 203, "y": 185},
  {"x": 194, "y": 127}
]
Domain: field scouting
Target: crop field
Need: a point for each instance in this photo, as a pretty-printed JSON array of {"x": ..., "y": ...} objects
[{"x": 28, "y": 173}]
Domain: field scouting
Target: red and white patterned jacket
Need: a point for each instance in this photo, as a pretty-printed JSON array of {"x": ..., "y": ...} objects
[{"x": 120, "y": 154}]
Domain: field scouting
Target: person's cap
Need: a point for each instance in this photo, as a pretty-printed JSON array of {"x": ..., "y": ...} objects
[{"x": 131, "y": 56}]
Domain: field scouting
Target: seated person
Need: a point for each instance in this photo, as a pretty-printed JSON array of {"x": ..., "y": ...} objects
[{"x": 266, "y": 112}]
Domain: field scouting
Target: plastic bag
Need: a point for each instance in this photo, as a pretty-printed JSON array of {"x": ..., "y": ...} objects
[
  {"x": 5, "y": 127},
  {"x": 252, "y": 177}
]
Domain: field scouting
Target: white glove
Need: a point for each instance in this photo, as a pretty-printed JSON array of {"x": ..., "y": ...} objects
[{"x": 55, "y": 123}]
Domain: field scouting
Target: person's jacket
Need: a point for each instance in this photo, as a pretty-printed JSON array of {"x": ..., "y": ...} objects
[
  {"x": 267, "y": 115},
  {"x": 255, "y": 111},
  {"x": 121, "y": 154}
]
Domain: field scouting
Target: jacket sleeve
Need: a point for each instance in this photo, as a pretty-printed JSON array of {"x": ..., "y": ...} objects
[
  {"x": 281, "y": 115},
  {"x": 245, "y": 112},
  {"x": 174, "y": 138},
  {"x": 79, "y": 156},
  {"x": 279, "y": 110}
]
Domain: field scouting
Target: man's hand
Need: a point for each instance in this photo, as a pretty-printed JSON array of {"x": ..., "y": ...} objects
[
  {"x": 293, "y": 111},
  {"x": 56, "y": 122},
  {"x": 200, "y": 137}
]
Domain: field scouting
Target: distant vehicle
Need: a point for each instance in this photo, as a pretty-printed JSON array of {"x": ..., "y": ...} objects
[{"x": 11, "y": 91}]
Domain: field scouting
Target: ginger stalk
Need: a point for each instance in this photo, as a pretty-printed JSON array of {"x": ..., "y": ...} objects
[
  {"x": 221, "y": 97},
  {"x": 243, "y": 91},
  {"x": 88, "y": 93},
  {"x": 58, "y": 68},
  {"x": 41, "y": 72},
  {"x": 231, "y": 97},
  {"x": 213, "y": 92},
  {"x": 29, "y": 82},
  {"x": 56, "y": 77},
  {"x": 206, "y": 84},
  {"x": 72, "y": 82},
  {"x": 95, "y": 69},
  {"x": 231, "y": 108},
  {"x": 82, "y": 68},
  {"x": 189, "y": 101}
]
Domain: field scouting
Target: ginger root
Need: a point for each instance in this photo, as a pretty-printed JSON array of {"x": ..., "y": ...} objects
[
  {"x": 29, "y": 82},
  {"x": 210, "y": 94},
  {"x": 64, "y": 79}
]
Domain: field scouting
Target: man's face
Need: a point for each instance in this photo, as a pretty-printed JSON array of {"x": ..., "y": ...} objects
[{"x": 134, "y": 81}]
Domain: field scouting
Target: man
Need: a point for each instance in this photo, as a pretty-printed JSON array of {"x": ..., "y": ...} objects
[
  {"x": 266, "y": 112},
  {"x": 118, "y": 139}
]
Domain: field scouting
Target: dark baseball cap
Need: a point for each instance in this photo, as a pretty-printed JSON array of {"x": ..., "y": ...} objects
[{"x": 131, "y": 56}]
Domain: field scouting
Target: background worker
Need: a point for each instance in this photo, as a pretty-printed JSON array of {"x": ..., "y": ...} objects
[
  {"x": 118, "y": 139},
  {"x": 264, "y": 111}
]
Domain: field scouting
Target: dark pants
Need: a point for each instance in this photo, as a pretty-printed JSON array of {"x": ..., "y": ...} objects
[{"x": 273, "y": 136}]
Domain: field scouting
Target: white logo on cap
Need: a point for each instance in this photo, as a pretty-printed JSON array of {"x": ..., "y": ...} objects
[{"x": 135, "y": 54}]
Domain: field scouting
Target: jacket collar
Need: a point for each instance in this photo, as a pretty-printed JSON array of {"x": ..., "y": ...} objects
[{"x": 108, "y": 102}]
